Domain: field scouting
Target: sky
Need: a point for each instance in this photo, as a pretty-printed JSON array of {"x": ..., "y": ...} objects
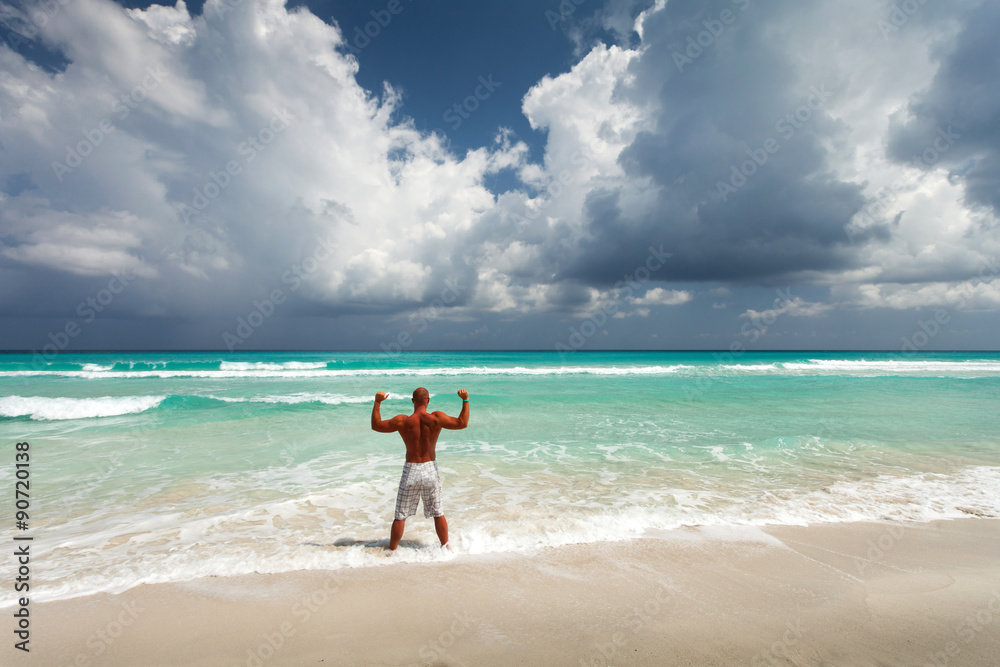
[{"x": 502, "y": 174}]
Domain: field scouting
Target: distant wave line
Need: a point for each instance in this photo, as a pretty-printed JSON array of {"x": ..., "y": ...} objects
[{"x": 321, "y": 370}]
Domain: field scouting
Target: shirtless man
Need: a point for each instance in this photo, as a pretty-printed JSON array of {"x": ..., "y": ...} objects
[{"x": 420, "y": 474}]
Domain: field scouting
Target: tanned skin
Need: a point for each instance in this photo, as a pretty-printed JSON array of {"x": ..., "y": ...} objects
[{"x": 420, "y": 432}]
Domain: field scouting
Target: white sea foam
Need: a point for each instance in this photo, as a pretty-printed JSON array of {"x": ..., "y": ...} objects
[
  {"x": 851, "y": 367},
  {"x": 97, "y": 367},
  {"x": 271, "y": 366},
  {"x": 344, "y": 524},
  {"x": 250, "y": 370},
  {"x": 891, "y": 366},
  {"x": 319, "y": 370},
  {"x": 292, "y": 399},
  {"x": 42, "y": 408},
  {"x": 922, "y": 497}
]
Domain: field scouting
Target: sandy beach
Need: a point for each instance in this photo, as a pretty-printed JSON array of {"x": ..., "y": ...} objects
[{"x": 835, "y": 594}]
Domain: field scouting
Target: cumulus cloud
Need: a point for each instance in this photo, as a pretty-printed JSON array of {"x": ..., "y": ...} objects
[
  {"x": 662, "y": 297},
  {"x": 95, "y": 245},
  {"x": 221, "y": 149},
  {"x": 973, "y": 295},
  {"x": 213, "y": 155},
  {"x": 794, "y": 307}
]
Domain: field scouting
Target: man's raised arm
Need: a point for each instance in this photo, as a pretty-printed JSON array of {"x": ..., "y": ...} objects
[
  {"x": 460, "y": 422},
  {"x": 377, "y": 424}
]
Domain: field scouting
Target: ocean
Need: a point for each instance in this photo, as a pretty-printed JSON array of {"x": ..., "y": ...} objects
[{"x": 164, "y": 467}]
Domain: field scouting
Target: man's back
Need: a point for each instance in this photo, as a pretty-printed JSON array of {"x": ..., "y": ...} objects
[
  {"x": 421, "y": 429},
  {"x": 420, "y": 433}
]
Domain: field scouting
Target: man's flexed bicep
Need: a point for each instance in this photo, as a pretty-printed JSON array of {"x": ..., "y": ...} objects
[
  {"x": 388, "y": 425},
  {"x": 462, "y": 420}
]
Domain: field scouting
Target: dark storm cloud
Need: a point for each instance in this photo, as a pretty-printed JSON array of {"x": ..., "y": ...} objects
[
  {"x": 745, "y": 191},
  {"x": 956, "y": 121}
]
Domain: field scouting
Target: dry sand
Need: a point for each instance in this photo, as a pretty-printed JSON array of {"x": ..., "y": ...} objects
[{"x": 841, "y": 594}]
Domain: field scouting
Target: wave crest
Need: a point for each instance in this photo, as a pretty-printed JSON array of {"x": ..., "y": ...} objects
[{"x": 41, "y": 408}]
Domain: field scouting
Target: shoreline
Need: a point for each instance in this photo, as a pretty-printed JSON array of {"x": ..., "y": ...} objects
[{"x": 848, "y": 593}]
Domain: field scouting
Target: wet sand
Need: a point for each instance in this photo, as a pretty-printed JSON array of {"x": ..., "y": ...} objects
[{"x": 832, "y": 594}]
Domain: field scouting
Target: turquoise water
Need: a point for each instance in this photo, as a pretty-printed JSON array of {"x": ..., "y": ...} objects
[{"x": 167, "y": 466}]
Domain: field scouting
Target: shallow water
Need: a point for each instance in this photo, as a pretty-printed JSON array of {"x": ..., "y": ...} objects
[{"x": 168, "y": 466}]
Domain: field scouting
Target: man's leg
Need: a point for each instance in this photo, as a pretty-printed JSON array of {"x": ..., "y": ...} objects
[
  {"x": 432, "y": 505},
  {"x": 396, "y": 534},
  {"x": 441, "y": 526},
  {"x": 406, "y": 504}
]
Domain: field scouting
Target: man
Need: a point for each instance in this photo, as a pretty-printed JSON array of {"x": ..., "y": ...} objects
[{"x": 420, "y": 478}]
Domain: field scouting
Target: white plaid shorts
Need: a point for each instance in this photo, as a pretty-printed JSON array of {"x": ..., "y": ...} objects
[{"x": 419, "y": 481}]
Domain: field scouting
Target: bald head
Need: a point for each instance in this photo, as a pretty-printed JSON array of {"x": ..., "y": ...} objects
[{"x": 421, "y": 396}]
